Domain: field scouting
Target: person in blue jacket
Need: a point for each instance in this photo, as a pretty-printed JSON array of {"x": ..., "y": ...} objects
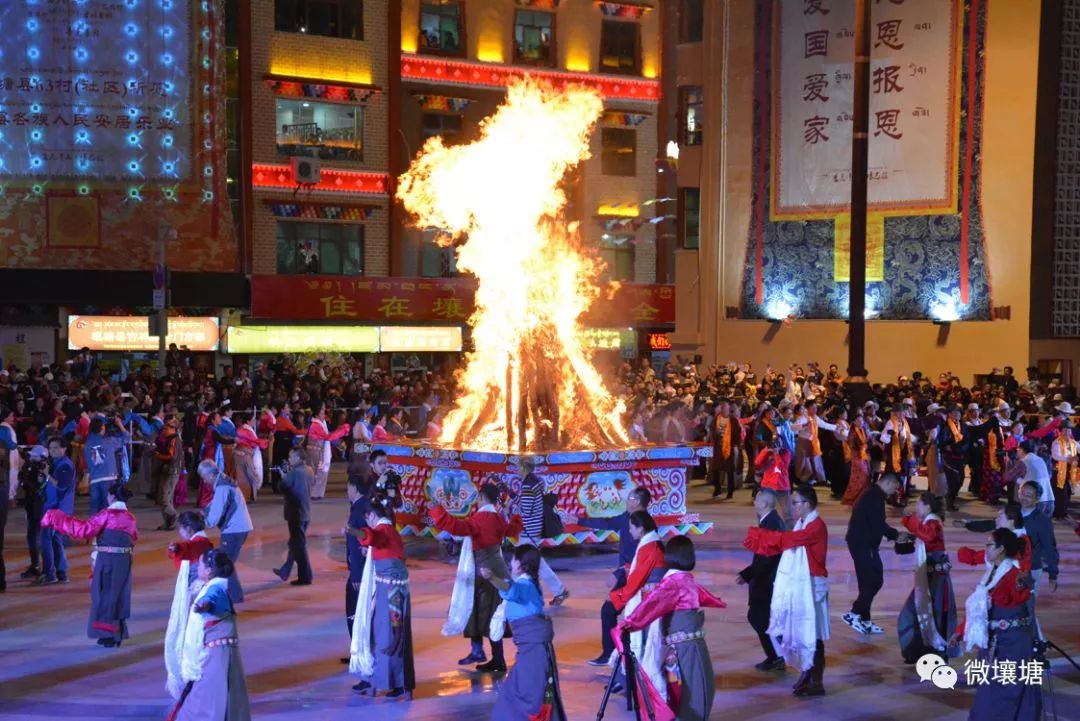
[
  {"x": 102, "y": 453},
  {"x": 59, "y": 495}
]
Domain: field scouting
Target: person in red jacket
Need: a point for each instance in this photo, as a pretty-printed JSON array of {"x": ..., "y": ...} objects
[
  {"x": 193, "y": 542},
  {"x": 185, "y": 554},
  {"x": 382, "y": 652},
  {"x": 472, "y": 609},
  {"x": 928, "y": 617},
  {"x": 798, "y": 630},
  {"x": 774, "y": 464},
  {"x": 643, "y": 576},
  {"x": 998, "y": 621}
]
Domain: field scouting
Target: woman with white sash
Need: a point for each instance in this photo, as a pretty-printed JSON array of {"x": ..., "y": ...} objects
[
  {"x": 210, "y": 668},
  {"x": 799, "y": 613},
  {"x": 998, "y": 623},
  {"x": 185, "y": 554},
  {"x": 646, "y": 572},
  {"x": 381, "y": 650},
  {"x": 928, "y": 618},
  {"x": 319, "y": 439},
  {"x": 476, "y": 610}
]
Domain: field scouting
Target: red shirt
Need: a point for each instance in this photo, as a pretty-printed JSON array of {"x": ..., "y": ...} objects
[
  {"x": 646, "y": 559},
  {"x": 815, "y": 537},
  {"x": 267, "y": 423},
  {"x": 1005, "y": 594},
  {"x": 384, "y": 542},
  {"x": 190, "y": 550},
  {"x": 775, "y": 469},
  {"x": 486, "y": 528},
  {"x": 246, "y": 438},
  {"x": 283, "y": 424},
  {"x": 930, "y": 533}
]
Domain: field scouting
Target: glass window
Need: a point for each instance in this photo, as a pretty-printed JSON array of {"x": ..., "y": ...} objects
[
  {"x": 617, "y": 252},
  {"x": 692, "y": 104},
  {"x": 691, "y": 20},
  {"x": 440, "y": 27},
  {"x": 435, "y": 260},
  {"x": 690, "y": 228},
  {"x": 322, "y": 130},
  {"x": 320, "y": 248},
  {"x": 334, "y": 18},
  {"x": 534, "y": 37},
  {"x": 448, "y": 126},
  {"x": 618, "y": 151},
  {"x": 619, "y": 46}
]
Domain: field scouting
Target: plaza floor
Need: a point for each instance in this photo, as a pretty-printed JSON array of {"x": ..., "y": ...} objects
[{"x": 292, "y": 638}]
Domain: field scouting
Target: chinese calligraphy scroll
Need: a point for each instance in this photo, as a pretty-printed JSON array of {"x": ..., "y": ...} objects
[{"x": 924, "y": 246}]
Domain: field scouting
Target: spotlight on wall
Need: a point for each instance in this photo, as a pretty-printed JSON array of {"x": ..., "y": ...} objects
[
  {"x": 777, "y": 310},
  {"x": 944, "y": 311}
]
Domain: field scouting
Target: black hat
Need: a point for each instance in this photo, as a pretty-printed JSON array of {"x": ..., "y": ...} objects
[{"x": 119, "y": 491}]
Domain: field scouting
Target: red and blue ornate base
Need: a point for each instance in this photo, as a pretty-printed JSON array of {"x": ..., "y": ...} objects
[{"x": 588, "y": 484}]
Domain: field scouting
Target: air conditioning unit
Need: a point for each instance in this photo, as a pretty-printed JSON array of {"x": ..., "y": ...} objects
[{"x": 305, "y": 170}]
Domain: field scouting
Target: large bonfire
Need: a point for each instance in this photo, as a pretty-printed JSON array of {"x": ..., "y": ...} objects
[{"x": 529, "y": 384}]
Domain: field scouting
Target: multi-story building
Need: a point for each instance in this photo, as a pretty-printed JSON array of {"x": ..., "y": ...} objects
[
  {"x": 319, "y": 74},
  {"x": 457, "y": 57}
]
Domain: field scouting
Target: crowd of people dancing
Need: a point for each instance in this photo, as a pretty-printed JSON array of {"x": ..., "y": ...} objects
[{"x": 788, "y": 436}]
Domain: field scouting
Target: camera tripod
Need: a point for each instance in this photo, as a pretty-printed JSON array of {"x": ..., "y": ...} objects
[
  {"x": 1041, "y": 647},
  {"x": 634, "y": 676}
]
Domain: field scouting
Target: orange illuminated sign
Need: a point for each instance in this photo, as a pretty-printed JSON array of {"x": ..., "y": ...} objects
[
  {"x": 659, "y": 341},
  {"x": 132, "y": 333}
]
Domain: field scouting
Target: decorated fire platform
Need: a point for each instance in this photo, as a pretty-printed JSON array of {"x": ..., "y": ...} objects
[{"x": 587, "y": 484}]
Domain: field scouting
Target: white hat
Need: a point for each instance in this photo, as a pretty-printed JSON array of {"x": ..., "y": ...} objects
[
  {"x": 38, "y": 453},
  {"x": 908, "y": 401},
  {"x": 973, "y": 406},
  {"x": 1002, "y": 406},
  {"x": 932, "y": 408},
  {"x": 1065, "y": 408}
]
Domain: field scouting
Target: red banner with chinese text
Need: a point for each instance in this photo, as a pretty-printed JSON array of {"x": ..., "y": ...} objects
[{"x": 433, "y": 300}]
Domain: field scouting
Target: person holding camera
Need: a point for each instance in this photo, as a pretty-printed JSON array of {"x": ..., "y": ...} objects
[
  {"x": 59, "y": 496},
  {"x": 32, "y": 478}
]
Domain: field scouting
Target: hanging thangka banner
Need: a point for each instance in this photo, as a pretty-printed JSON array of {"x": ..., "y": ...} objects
[{"x": 925, "y": 250}]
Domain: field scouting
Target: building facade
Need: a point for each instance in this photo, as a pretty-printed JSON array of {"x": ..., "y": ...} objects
[
  {"x": 318, "y": 77},
  {"x": 456, "y": 59}
]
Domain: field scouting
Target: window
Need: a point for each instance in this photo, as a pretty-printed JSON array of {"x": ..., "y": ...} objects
[
  {"x": 320, "y": 248},
  {"x": 617, "y": 252},
  {"x": 435, "y": 260},
  {"x": 447, "y": 126},
  {"x": 619, "y": 46},
  {"x": 618, "y": 151},
  {"x": 691, "y": 105},
  {"x": 691, "y": 20},
  {"x": 334, "y": 18},
  {"x": 441, "y": 27},
  {"x": 534, "y": 38},
  {"x": 323, "y": 130},
  {"x": 690, "y": 215}
]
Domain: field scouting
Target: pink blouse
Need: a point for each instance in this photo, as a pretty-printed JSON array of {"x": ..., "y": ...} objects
[{"x": 677, "y": 592}]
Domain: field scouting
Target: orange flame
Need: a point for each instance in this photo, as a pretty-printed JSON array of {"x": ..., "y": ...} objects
[{"x": 530, "y": 383}]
